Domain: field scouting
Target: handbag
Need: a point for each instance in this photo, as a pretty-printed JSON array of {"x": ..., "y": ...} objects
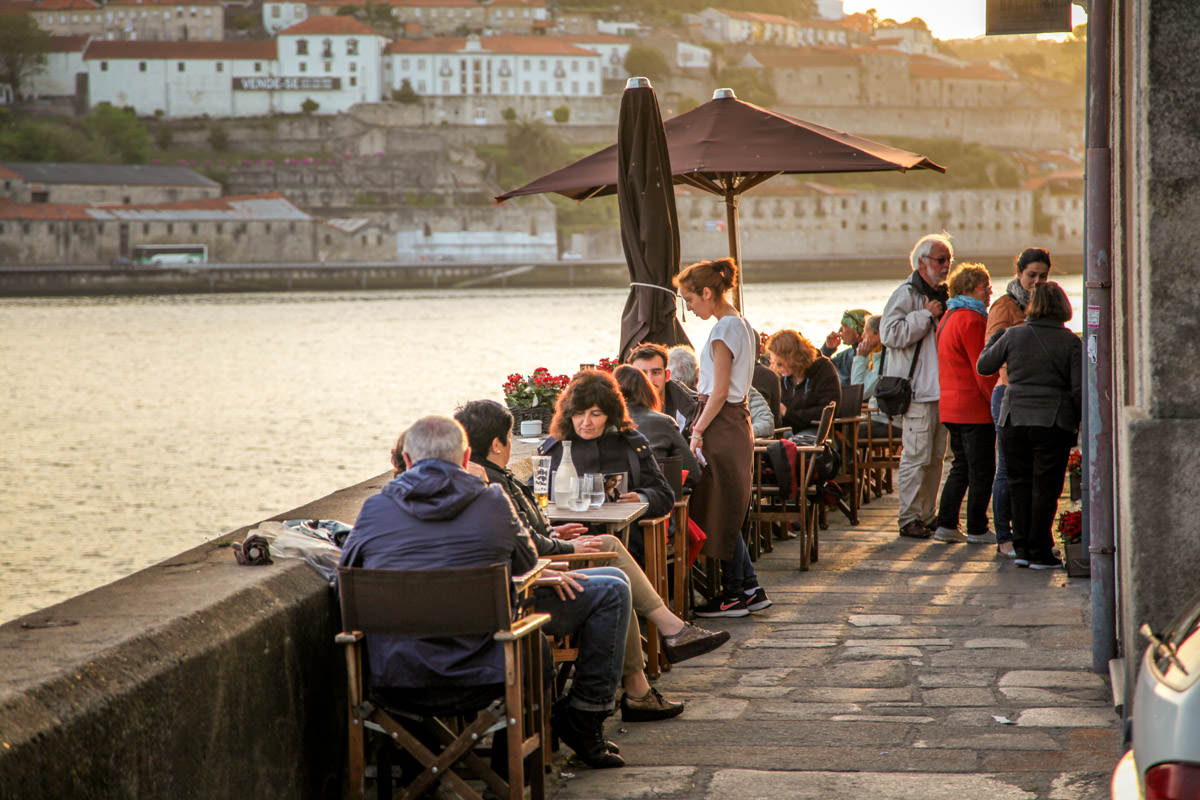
[{"x": 894, "y": 393}]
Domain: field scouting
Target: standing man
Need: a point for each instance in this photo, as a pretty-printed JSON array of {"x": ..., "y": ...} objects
[
  {"x": 908, "y": 331},
  {"x": 678, "y": 401},
  {"x": 849, "y": 334}
]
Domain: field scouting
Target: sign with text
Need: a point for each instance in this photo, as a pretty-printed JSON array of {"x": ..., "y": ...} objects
[
  {"x": 1028, "y": 16},
  {"x": 273, "y": 83}
]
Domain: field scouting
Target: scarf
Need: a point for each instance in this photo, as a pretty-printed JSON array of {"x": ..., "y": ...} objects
[
  {"x": 939, "y": 292},
  {"x": 963, "y": 301},
  {"x": 1018, "y": 293}
]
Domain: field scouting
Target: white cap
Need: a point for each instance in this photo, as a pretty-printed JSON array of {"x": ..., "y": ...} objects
[
  {"x": 721, "y": 94},
  {"x": 637, "y": 83}
]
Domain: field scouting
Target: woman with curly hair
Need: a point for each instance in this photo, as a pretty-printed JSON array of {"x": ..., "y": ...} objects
[
  {"x": 808, "y": 380},
  {"x": 591, "y": 414},
  {"x": 721, "y": 436}
]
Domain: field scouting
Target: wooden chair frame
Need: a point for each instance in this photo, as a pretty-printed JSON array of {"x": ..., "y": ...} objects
[{"x": 446, "y": 602}]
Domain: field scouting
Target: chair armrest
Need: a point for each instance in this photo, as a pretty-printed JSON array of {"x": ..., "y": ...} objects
[
  {"x": 348, "y": 637},
  {"x": 650, "y": 523},
  {"x": 547, "y": 580},
  {"x": 522, "y": 627},
  {"x": 574, "y": 559},
  {"x": 524, "y": 580}
]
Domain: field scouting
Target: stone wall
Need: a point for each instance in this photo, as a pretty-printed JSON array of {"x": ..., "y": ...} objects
[{"x": 194, "y": 678}]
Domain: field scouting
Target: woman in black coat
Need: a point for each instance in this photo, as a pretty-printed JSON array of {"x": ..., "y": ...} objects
[
  {"x": 660, "y": 430},
  {"x": 1039, "y": 416},
  {"x": 809, "y": 380}
]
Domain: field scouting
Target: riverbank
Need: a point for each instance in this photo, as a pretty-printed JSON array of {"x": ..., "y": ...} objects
[{"x": 241, "y": 278}]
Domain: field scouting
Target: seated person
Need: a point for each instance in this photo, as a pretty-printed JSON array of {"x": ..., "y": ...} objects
[
  {"x": 808, "y": 380},
  {"x": 436, "y": 515},
  {"x": 678, "y": 401},
  {"x": 489, "y": 428},
  {"x": 849, "y": 334},
  {"x": 665, "y": 439},
  {"x": 868, "y": 365},
  {"x": 766, "y": 383},
  {"x": 683, "y": 366},
  {"x": 762, "y": 421}
]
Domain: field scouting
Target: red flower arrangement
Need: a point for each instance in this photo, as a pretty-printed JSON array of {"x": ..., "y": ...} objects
[
  {"x": 1070, "y": 526},
  {"x": 607, "y": 364},
  {"x": 539, "y": 389},
  {"x": 1075, "y": 461}
]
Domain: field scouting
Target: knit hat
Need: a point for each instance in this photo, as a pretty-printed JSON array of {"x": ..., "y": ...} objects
[{"x": 856, "y": 318}]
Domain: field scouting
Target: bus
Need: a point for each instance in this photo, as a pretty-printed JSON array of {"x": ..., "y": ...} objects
[{"x": 169, "y": 255}]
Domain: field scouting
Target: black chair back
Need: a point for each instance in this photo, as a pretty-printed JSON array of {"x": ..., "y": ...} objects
[{"x": 672, "y": 467}]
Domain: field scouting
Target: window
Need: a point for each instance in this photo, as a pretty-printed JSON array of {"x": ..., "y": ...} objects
[
  {"x": 404, "y": 63},
  {"x": 291, "y": 227},
  {"x": 352, "y": 47},
  {"x": 558, "y": 87},
  {"x": 591, "y": 88},
  {"x": 267, "y": 227},
  {"x": 104, "y": 66},
  {"x": 574, "y": 66},
  {"x": 591, "y": 66},
  {"x": 145, "y": 227},
  {"x": 275, "y": 12},
  {"x": 542, "y": 64},
  {"x": 574, "y": 87},
  {"x": 192, "y": 11},
  {"x": 195, "y": 228},
  {"x": 221, "y": 226},
  {"x": 354, "y": 66},
  {"x": 180, "y": 66},
  {"x": 328, "y": 239},
  {"x": 353, "y": 80},
  {"x": 526, "y": 88},
  {"x": 541, "y": 87},
  {"x": 220, "y": 66},
  {"x": 420, "y": 63},
  {"x": 326, "y": 48},
  {"x": 170, "y": 227},
  {"x": 141, "y": 66},
  {"x": 303, "y": 67},
  {"x": 258, "y": 66},
  {"x": 329, "y": 66},
  {"x": 302, "y": 47}
]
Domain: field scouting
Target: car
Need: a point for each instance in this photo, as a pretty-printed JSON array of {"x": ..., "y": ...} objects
[{"x": 1164, "y": 763}]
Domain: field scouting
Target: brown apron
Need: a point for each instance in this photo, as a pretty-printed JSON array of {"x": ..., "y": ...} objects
[{"x": 720, "y": 500}]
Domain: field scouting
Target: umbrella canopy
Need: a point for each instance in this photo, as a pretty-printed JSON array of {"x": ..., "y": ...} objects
[
  {"x": 726, "y": 147},
  {"x": 649, "y": 225}
]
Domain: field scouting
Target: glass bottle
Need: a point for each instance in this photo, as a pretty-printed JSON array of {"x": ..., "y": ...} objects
[{"x": 563, "y": 475}]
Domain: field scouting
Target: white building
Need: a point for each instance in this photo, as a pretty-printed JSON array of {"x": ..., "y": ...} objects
[
  {"x": 334, "y": 61},
  {"x": 64, "y": 60},
  {"x": 612, "y": 50},
  {"x": 831, "y": 9},
  {"x": 494, "y": 66},
  {"x": 154, "y": 20}
]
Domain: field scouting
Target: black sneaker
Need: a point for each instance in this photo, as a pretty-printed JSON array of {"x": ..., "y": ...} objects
[
  {"x": 758, "y": 601},
  {"x": 1045, "y": 563},
  {"x": 723, "y": 607}
]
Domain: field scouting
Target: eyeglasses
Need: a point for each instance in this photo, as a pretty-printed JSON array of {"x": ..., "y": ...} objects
[{"x": 940, "y": 259}]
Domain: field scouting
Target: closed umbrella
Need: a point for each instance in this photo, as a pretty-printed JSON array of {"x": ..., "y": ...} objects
[
  {"x": 649, "y": 225},
  {"x": 727, "y": 147}
]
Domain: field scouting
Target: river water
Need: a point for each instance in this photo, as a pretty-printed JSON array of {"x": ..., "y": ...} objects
[{"x": 135, "y": 428}]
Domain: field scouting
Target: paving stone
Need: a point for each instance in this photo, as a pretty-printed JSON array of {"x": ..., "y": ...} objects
[
  {"x": 1028, "y": 696},
  {"x": 885, "y": 673},
  {"x": 798, "y": 643},
  {"x": 882, "y": 718},
  {"x": 758, "y": 692},
  {"x": 709, "y": 707},
  {"x": 1027, "y": 617},
  {"x": 764, "y": 677},
  {"x": 1050, "y": 678},
  {"x": 1080, "y": 786},
  {"x": 975, "y": 739},
  {"x": 958, "y": 697},
  {"x": 1010, "y": 658},
  {"x": 1082, "y": 717},
  {"x": 629, "y": 783},
  {"x": 889, "y": 642},
  {"x": 760, "y": 657},
  {"x": 870, "y": 620},
  {"x": 975, "y": 644},
  {"x": 799, "y": 710},
  {"x": 935, "y": 680},
  {"x": 880, "y": 651},
  {"x": 838, "y": 694},
  {"x": 876, "y": 785}
]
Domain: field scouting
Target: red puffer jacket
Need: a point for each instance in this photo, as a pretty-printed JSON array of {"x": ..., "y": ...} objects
[{"x": 966, "y": 396}]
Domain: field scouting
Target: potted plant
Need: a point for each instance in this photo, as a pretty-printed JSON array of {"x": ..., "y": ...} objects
[
  {"x": 1075, "y": 473},
  {"x": 1070, "y": 534},
  {"x": 533, "y": 397}
]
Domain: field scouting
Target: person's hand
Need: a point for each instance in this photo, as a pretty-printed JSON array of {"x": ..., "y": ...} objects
[
  {"x": 864, "y": 348},
  {"x": 934, "y": 307},
  {"x": 833, "y": 340},
  {"x": 628, "y": 497},
  {"x": 570, "y": 585},
  {"x": 477, "y": 471},
  {"x": 569, "y": 530},
  {"x": 588, "y": 544}
]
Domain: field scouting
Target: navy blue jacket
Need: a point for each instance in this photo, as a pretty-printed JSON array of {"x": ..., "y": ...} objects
[{"x": 437, "y": 516}]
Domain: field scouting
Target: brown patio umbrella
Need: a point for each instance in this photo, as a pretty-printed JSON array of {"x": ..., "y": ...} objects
[
  {"x": 726, "y": 147},
  {"x": 649, "y": 226}
]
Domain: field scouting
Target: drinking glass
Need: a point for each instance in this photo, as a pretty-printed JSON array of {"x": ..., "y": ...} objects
[
  {"x": 541, "y": 480},
  {"x": 595, "y": 484},
  {"x": 580, "y": 495}
]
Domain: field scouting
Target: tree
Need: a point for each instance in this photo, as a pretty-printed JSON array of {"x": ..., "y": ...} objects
[
  {"x": 23, "y": 48},
  {"x": 406, "y": 94},
  {"x": 646, "y": 61},
  {"x": 534, "y": 146},
  {"x": 120, "y": 130},
  {"x": 218, "y": 138},
  {"x": 562, "y": 114},
  {"x": 309, "y": 105}
]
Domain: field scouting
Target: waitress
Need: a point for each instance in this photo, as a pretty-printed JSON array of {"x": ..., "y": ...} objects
[{"x": 721, "y": 436}]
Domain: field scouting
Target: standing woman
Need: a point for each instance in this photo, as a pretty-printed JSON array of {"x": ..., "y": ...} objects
[
  {"x": 1039, "y": 418},
  {"x": 721, "y": 436},
  {"x": 965, "y": 406},
  {"x": 1032, "y": 267}
]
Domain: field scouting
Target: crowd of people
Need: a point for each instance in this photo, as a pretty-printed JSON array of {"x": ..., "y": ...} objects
[{"x": 1011, "y": 371}]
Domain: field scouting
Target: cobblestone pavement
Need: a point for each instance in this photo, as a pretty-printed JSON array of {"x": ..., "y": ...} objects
[{"x": 893, "y": 669}]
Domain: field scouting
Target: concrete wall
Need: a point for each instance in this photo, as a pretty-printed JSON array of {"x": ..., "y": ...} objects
[
  {"x": 195, "y": 678},
  {"x": 1157, "y": 346}
]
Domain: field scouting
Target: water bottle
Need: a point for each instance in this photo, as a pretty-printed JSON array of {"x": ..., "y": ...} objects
[{"x": 562, "y": 477}]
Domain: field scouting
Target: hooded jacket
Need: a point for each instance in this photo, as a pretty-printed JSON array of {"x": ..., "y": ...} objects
[
  {"x": 906, "y": 326},
  {"x": 437, "y": 516}
]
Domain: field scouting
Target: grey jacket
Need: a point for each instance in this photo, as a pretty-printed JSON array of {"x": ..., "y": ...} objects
[
  {"x": 665, "y": 440},
  {"x": 1044, "y": 362},
  {"x": 905, "y": 326}
]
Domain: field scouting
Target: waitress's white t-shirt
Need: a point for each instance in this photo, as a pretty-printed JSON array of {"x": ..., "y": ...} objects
[{"x": 739, "y": 337}]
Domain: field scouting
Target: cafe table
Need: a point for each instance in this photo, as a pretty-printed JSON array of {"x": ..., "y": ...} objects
[{"x": 615, "y": 517}]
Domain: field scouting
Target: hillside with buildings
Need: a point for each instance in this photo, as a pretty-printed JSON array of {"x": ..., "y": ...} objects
[{"x": 399, "y": 115}]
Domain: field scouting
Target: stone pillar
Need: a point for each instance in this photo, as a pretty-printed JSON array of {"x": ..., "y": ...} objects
[{"x": 1156, "y": 210}]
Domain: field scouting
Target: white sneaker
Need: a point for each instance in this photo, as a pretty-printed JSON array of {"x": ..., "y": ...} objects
[
  {"x": 981, "y": 538},
  {"x": 951, "y": 535}
]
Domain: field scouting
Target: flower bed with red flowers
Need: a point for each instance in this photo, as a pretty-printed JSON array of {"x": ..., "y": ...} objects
[{"x": 540, "y": 388}]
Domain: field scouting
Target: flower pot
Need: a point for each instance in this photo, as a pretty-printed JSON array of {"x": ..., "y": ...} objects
[
  {"x": 1073, "y": 479},
  {"x": 542, "y": 413}
]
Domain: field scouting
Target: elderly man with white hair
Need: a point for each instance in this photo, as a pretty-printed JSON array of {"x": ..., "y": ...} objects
[{"x": 908, "y": 331}]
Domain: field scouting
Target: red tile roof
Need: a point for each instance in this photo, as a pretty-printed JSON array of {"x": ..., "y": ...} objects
[
  {"x": 140, "y": 50},
  {"x": 16, "y": 6},
  {"x": 596, "y": 38},
  {"x": 513, "y": 45},
  {"x": 9, "y": 175},
  {"x": 67, "y": 44},
  {"x": 336, "y": 26},
  {"x": 754, "y": 16},
  {"x": 529, "y": 3},
  {"x": 66, "y": 5},
  {"x": 136, "y": 3}
]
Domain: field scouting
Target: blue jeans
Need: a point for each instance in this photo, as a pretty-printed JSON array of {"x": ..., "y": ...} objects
[
  {"x": 1001, "y": 511},
  {"x": 737, "y": 573},
  {"x": 599, "y": 618}
]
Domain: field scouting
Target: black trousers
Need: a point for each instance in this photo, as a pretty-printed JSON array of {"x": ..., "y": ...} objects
[
  {"x": 971, "y": 474},
  {"x": 1036, "y": 457}
]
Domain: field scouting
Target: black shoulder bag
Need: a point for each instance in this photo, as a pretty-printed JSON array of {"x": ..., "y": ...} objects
[{"x": 893, "y": 393}]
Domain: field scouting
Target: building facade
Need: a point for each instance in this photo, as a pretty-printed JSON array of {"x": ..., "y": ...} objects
[
  {"x": 140, "y": 20},
  {"x": 22, "y": 182}
]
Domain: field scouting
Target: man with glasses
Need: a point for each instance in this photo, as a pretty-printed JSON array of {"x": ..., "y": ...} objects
[{"x": 908, "y": 331}]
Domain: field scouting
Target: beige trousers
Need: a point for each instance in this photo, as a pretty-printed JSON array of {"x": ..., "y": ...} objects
[
  {"x": 645, "y": 600},
  {"x": 920, "y": 473}
]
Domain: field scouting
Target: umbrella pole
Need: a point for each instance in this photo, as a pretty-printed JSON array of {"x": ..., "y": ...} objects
[{"x": 735, "y": 242}]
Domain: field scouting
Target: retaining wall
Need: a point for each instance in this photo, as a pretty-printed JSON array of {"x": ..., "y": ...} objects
[{"x": 194, "y": 678}]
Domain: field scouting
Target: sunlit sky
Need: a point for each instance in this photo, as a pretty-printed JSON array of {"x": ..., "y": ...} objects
[{"x": 947, "y": 19}]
